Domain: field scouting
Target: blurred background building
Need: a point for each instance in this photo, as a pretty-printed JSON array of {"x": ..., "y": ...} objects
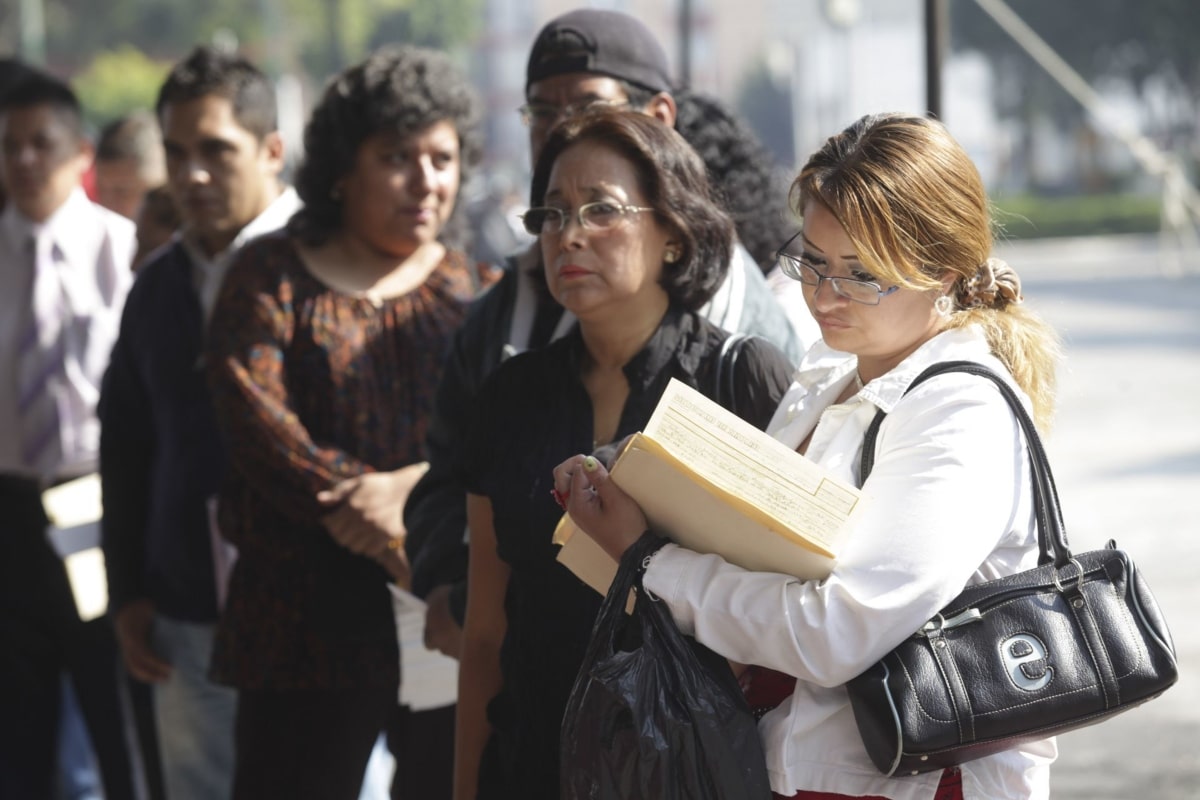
[{"x": 797, "y": 69}]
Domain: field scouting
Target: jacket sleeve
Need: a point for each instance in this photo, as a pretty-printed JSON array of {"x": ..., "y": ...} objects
[
  {"x": 126, "y": 453},
  {"x": 268, "y": 445},
  {"x": 435, "y": 515},
  {"x": 946, "y": 504}
]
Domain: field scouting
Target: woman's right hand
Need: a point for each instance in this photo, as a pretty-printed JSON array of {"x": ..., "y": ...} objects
[{"x": 598, "y": 506}]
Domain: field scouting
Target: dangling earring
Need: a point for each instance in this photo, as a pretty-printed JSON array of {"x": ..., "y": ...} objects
[{"x": 943, "y": 306}]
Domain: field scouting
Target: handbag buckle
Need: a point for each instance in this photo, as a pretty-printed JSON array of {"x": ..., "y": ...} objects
[{"x": 1078, "y": 576}]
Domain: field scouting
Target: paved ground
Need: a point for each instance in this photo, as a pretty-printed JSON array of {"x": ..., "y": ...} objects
[{"x": 1126, "y": 454}]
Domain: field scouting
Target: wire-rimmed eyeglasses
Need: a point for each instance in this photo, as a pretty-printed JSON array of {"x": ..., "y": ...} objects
[
  {"x": 868, "y": 293},
  {"x": 602, "y": 215}
]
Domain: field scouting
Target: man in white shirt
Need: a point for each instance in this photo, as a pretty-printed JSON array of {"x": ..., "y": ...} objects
[
  {"x": 64, "y": 274},
  {"x": 161, "y": 458}
]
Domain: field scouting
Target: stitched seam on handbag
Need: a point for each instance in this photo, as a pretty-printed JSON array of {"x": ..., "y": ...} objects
[
  {"x": 1133, "y": 630},
  {"x": 1042, "y": 699},
  {"x": 1081, "y": 625},
  {"x": 962, "y": 713},
  {"x": 1000, "y": 710},
  {"x": 921, "y": 706},
  {"x": 1034, "y": 733}
]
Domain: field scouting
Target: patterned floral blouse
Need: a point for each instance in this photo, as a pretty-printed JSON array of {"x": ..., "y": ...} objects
[{"x": 313, "y": 386}]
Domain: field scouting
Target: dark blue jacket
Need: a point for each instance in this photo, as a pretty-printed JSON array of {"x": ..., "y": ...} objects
[{"x": 160, "y": 452}]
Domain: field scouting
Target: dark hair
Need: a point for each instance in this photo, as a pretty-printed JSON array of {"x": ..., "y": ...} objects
[
  {"x": 397, "y": 91},
  {"x": 743, "y": 174},
  {"x": 128, "y": 137},
  {"x": 208, "y": 70},
  {"x": 39, "y": 89},
  {"x": 12, "y": 72},
  {"x": 673, "y": 179},
  {"x": 134, "y": 137}
]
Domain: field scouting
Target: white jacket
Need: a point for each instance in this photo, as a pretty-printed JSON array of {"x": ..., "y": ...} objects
[{"x": 948, "y": 503}]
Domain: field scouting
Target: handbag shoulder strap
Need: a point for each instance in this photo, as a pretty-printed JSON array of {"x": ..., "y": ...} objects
[
  {"x": 725, "y": 374},
  {"x": 1052, "y": 537}
]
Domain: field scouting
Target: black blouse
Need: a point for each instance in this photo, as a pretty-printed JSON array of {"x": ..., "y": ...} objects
[{"x": 532, "y": 413}]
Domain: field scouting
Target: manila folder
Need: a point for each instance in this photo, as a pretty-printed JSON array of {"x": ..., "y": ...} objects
[{"x": 714, "y": 483}]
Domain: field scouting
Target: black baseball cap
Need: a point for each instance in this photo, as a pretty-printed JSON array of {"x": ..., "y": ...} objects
[{"x": 602, "y": 42}]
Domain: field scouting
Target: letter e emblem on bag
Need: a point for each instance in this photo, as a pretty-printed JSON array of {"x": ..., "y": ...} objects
[{"x": 1026, "y": 662}]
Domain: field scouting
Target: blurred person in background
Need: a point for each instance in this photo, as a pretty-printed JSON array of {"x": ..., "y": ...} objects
[
  {"x": 583, "y": 59},
  {"x": 751, "y": 190},
  {"x": 324, "y": 352},
  {"x": 129, "y": 163},
  {"x": 11, "y": 73},
  {"x": 157, "y": 221},
  {"x": 62, "y": 288},
  {"x": 161, "y": 456}
]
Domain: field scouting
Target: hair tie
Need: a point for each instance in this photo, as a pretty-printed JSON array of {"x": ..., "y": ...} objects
[{"x": 994, "y": 285}]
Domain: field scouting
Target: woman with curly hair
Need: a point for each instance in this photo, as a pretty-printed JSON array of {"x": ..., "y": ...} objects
[
  {"x": 324, "y": 352},
  {"x": 752, "y": 190}
]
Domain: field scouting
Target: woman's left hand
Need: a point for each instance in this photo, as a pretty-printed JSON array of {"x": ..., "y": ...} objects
[
  {"x": 367, "y": 515},
  {"x": 598, "y": 506}
]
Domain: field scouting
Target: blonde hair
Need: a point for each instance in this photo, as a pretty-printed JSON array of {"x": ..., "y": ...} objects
[{"x": 913, "y": 204}]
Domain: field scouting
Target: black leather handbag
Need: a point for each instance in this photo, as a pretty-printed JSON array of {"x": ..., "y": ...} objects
[{"x": 1070, "y": 643}]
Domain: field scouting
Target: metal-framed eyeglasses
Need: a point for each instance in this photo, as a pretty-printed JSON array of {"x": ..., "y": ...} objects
[
  {"x": 869, "y": 293},
  {"x": 602, "y": 215},
  {"x": 543, "y": 115}
]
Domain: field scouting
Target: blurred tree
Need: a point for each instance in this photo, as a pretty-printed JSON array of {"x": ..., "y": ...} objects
[
  {"x": 1148, "y": 44},
  {"x": 117, "y": 82},
  {"x": 316, "y": 37},
  {"x": 1100, "y": 38}
]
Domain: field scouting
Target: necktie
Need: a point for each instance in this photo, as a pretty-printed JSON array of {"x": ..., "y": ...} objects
[{"x": 40, "y": 362}]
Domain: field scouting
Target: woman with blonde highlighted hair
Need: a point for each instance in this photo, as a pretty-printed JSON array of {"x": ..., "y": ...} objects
[{"x": 895, "y": 259}]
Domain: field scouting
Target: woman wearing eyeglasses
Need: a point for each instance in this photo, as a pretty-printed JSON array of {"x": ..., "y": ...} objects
[
  {"x": 632, "y": 245},
  {"x": 894, "y": 258}
]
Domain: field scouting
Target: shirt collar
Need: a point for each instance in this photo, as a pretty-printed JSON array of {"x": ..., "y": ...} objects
[
  {"x": 825, "y": 369},
  {"x": 62, "y": 226},
  {"x": 674, "y": 340},
  {"x": 273, "y": 217}
]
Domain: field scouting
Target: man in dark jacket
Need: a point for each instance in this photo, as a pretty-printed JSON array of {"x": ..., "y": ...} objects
[{"x": 160, "y": 452}]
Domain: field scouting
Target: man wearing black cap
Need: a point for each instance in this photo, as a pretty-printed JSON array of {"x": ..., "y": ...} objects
[{"x": 582, "y": 59}]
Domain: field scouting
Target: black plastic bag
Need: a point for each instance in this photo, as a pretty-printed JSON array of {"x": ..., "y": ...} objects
[{"x": 664, "y": 720}]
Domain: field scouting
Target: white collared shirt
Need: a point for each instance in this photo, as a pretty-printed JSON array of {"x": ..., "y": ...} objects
[
  {"x": 208, "y": 273},
  {"x": 96, "y": 249},
  {"x": 948, "y": 503}
]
